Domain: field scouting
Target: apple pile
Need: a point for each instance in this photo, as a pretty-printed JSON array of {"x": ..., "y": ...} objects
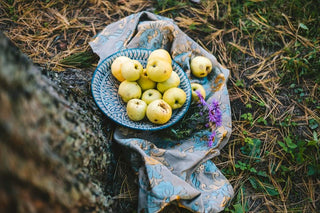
[{"x": 152, "y": 91}]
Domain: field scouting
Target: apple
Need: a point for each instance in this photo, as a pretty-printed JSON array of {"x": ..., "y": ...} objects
[
  {"x": 131, "y": 70},
  {"x": 161, "y": 54},
  {"x": 150, "y": 95},
  {"x": 159, "y": 112},
  {"x": 173, "y": 81},
  {"x": 129, "y": 90},
  {"x": 144, "y": 82},
  {"x": 158, "y": 70},
  {"x": 200, "y": 66},
  {"x": 136, "y": 109},
  {"x": 175, "y": 97},
  {"x": 116, "y": 67},
  {"x": 197, "y": 87}
]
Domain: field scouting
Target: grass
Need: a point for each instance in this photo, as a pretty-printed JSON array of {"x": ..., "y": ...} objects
[{"x": 272, "y": 50}]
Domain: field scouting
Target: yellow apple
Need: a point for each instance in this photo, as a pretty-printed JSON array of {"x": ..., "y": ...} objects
[
  {"x": 150, "y": 95},
  {"x": 131, "y": 70},
  {"x": 158, "y": 70},
  {"x": 200, "y": 66},
  {"x": 159, "y": 112},
  {"x": 129, "y": 90},
  {"x": 144, "y": 82},
  {"x": 161, "y": 54},
  {"x": 116, "y": 67},
  {"x": 173, "y": 81},
  {"x": 197, "y": 87},
  {"x": 175, "y": 97},
  {"x": 136, "y": 109}
]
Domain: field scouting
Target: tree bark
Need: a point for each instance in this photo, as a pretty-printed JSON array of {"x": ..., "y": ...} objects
[{"x": 55, "y": 146}]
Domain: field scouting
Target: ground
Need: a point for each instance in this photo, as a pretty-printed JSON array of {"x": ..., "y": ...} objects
[{"x": 272, "y": 51}]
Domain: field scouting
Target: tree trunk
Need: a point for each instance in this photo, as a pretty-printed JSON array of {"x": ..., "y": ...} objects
[{"x": 55, "y": 146}]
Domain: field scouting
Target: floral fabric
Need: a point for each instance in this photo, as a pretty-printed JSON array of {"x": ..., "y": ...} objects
[{"x": 173, "y": 171}]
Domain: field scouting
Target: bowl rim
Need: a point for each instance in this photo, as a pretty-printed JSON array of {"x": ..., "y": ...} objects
[{"x": 156, "y": 126}]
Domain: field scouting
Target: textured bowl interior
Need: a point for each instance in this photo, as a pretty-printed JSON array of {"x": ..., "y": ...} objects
[{"x": 105, "y": 92}]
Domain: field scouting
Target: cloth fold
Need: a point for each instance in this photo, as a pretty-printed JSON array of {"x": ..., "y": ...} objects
[{"x": 172, "y": 171}]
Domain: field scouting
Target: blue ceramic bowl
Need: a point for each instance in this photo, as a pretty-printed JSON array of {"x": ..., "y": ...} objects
[{"x": 105, "y": 92}]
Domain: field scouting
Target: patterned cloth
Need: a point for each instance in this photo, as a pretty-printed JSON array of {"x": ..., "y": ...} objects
[{"x": 172, "y": 171}]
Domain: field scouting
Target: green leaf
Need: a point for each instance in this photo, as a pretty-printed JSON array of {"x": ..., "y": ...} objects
[
  {"x": 241, "y": 165},
  {"x": 284, "y": 147},
  {"x": 254, "y": 183},
  {"x": 239, "y": 83},
  {"x": 192, "y": 27},
  {"x": 267, "y": 187},
  {"x": 255, "y": 149},
  {"x": 311, "y": 170},
  {"x": 303, "y": 26},
  {"x": 315, "y": 136},
  {"x": 292, "y": 85},
  {"x": 289, "y": 143},
  {"x": 248, "y": 140},
  {"x": 299, "y": 157},
  {"x": 313, "y": 124},
  {"x": 245, "y": 116},
  {"x": 253, "y": 170},
  {"x": 312, "y": 143},
  {"x": 238, "y": 208},
  {"x": 262, "y": 173},
  {"x": 284, "y": 170},
  {"x": 270, "y": 189},
  {"x": 262, "y": 120},
  {"x": 261, "y": 103}
]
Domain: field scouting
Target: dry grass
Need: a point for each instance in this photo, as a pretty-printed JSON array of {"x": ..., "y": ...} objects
[
  {"x": 272, "y": 51},
  {"x": 50, "y": 31}
]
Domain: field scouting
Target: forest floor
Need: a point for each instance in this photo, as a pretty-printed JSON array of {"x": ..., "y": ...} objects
[{"x": 272, "y": 50}]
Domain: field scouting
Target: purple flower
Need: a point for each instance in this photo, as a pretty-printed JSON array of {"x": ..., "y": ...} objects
[
  {"x": 214, "y": 115},
  {"x": 202, "y": 101},
  {"x": 211, "y": 138}
]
